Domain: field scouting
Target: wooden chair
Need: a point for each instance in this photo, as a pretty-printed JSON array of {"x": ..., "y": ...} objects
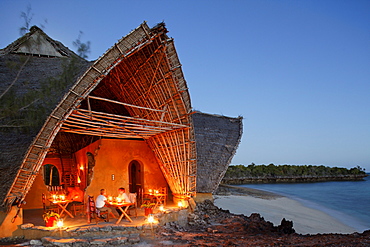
[
  {"x": 48, "y": 206},
  {"x": 146, "y": 198},
  {"x": 92, "y": 211},
  {"x": 79, "y": 208},
  {"x": 133, "y": 199},
  {"x": 162, "y": 199}
]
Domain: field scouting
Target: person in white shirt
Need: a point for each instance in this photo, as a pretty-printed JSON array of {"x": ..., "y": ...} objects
[
  {"x": 100, "y": 202},
  {"x": 124, "y": 197}
]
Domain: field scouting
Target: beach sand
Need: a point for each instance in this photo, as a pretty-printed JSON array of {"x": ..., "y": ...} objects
[{"x": 274, "y": 208}]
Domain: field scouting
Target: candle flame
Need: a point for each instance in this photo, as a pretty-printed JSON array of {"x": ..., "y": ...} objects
[
  {"x": 150, "y": 218},
  {"x": 60, "y": 223}
]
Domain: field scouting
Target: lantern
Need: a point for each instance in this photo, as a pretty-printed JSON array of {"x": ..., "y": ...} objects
[
  {"x": 60, "y": 223},
  {"x": 150, "y": 218}
]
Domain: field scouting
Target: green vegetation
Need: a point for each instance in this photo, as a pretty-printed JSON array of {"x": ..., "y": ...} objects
[
  {"x": 82, "y": 48},
  {"x": 30, "y": 109},
  {"x": 281, "y": 171}
]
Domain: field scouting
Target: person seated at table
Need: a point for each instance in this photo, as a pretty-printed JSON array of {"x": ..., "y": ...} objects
[
  {"x": 100, "y": 202},
  {"x": 75, "y": 194},
  {"x": 123, "y": 196}
]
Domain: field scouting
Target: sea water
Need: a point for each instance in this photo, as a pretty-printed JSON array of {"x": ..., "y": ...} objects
[{"x": 347, "y": 201}]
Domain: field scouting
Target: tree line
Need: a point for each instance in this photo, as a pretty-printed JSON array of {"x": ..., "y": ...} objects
[{"x": 271, "y": 170}]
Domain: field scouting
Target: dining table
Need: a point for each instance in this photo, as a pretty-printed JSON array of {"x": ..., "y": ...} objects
[
  {"x": 62, "y": 204},
  {"x": 123, "y": 207}
]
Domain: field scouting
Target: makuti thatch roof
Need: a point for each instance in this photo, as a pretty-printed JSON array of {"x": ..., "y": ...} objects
[
  {"x": 217, "y": 139},
  {"x": 31, "y": 85},
  {"x": 136, "y": 90}
]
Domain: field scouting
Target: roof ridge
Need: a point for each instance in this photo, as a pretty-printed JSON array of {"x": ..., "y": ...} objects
[{"x": 57, "y": 45}]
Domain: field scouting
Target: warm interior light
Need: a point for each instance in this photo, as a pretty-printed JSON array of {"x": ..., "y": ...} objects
[
  {"x": 156, "y": 191},
  {"x": 150, "y": 190},
  {"x": 82, "y": 167},
  {"x": 78, "y": 180},
  {"x": 110, "y": 198},
  {"x": 161, "y": 208},
  {"x": 119, "y": 199},
  {"x": 180, "y": 204},
  {"x": 60, "y": 223},
  {"x": 62, "y": 197},
  {"x": 150, "y": 218}
]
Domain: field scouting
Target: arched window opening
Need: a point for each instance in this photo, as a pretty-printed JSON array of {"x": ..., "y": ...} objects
[{"x": 51, "y": 175}]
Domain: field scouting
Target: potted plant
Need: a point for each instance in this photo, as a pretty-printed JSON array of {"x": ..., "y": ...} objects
[
  {"x": 148, "y": 207},
  {"x": 50, "y": 217}
]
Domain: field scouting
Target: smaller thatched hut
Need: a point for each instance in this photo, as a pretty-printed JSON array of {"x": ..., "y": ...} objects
[{"x": 217, "y": 139}]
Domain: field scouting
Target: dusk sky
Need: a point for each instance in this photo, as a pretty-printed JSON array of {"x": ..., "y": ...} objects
[{"x": 298, "y": 72}]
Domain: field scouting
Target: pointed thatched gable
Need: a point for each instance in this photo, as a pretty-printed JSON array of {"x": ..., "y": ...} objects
[
  {"x": 135, "y": 90},
  {"x": 217, "y": 138},
  {"x": 36, "y": 42}
]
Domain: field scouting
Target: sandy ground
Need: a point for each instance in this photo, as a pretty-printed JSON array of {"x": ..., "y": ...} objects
[{"x": 274, "y": 208}]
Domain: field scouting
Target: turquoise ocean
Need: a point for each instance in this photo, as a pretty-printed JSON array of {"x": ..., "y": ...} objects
[{"x": 347, "y": 201}]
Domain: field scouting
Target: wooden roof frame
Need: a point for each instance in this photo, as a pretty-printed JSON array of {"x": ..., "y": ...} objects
[{"x": 164, "y": 122}]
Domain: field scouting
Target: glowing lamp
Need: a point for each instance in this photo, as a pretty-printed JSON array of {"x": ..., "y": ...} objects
[
  {"x": 180, "y": 204},
  {"x": 161, "y": 208},
  {"x": 119, "y": 200},
  {"x": 62, "y": 197},
  {"x": 60, "y": 223},
  {"x": 54, "y": 197},
  {"x": 150, "y": 218},
  {"x": 110, "y": 198},
  {"x": 156, "y": 191},
  {"x": 81, "y": 167},
  {"x": 78, "y": 179},
  {"x": 150, "y": 190}
]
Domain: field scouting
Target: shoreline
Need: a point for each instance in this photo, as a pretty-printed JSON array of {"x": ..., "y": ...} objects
[{"x": 273, "y": 207}]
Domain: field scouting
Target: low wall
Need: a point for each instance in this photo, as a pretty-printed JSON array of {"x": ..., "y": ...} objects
[
  {"x": 7, "y": 227},
  {"x": 29, "y": 231}
]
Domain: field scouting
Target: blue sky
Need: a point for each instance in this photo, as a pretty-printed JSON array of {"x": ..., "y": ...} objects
[{"x": 298, "y": 72}]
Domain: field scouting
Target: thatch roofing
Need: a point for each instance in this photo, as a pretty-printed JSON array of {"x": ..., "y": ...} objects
[
  {"x": 30, "y": 88},
  {"x": 36, "y": 42},
  {"x": 135, "y": 90},
  {"x": 217, "y": 139}
]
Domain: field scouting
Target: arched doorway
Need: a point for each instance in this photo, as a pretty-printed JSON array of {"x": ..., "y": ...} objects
[
  {"x": 51, "y": 175},
  {"x": 135, "y": 176}
]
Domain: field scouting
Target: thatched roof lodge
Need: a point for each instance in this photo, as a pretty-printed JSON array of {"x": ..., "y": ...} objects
[{"x": 124, "y": 120}]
